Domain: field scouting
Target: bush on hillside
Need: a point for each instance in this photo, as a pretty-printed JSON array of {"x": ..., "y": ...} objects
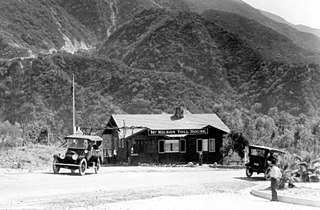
[
  {"x": 29, "y": 157},
  {"x": 10, "y": 135}
]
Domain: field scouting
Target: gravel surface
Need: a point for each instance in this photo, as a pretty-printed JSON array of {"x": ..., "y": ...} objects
[
  {"x": 133, "y": 188},
  {"x": 305, "y": 190}
]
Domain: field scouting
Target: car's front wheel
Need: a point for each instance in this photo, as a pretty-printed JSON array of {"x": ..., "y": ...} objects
[
  {"x": 249, "y": 172},
  {"x": 82, "y": 167},
  {"x": 97, "y": 166},
  {"x": 55, "y": 168}
]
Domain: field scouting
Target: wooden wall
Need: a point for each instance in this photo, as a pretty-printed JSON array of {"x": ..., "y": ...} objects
[{"x": 145, "y": 149}]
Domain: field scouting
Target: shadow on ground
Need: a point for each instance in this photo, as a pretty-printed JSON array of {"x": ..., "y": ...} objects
[
  {"x": 251, "y": 179},
  {"x": 66, "y": 173}
]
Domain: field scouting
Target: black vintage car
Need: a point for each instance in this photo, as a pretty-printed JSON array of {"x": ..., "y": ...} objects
[
  {"x": 258, "y": 156},
  {"x": 82, "y": 152}
]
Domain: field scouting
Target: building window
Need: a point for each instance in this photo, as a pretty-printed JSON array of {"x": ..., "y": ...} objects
[
  {"x": 171, "y": 145},
  {"x": 183, "y": 146},
  {"x": 168, "y": 146},
  {"x": 140, "y": 146},
  {"x": 212, "y": 145},
  {"x": 202, "y": 145},
  {"x": 161, "y": 146},
  {"x": 205, "y": 145}
]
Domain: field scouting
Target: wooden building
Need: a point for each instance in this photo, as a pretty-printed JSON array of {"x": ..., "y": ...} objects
[{"x": 164, "y": 138}]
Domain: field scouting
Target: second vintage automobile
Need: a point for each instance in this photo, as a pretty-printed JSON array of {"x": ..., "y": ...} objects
[
  {"x": 258, "y": 156},
  {"x": 82, "y": 153}
]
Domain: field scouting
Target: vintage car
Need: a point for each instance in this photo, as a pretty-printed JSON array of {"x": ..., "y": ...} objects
[
  {"x": 82, "y": 152},
  {"x": 258, "y": 156}
]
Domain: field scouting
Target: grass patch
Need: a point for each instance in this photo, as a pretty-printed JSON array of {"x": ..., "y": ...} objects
[{"x": 30, "y": 157}]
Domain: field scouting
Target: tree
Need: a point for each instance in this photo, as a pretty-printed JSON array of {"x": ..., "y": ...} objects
[{"x": 234, "y": 142}]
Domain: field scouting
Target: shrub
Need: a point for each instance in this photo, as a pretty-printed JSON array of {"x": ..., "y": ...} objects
[{"x": 10, "y": 135}]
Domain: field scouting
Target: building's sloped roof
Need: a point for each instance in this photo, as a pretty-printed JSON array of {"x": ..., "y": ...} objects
[
  {"x": 127, "y": 132},
  {"x": 137, "y": 122}
]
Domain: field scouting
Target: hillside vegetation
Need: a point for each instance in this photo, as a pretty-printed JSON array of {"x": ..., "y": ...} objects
[
  {"x": 301, "y": 39},
  {"x": 210, "y": 55},
  {"x": 32, "y": 27},
  {"x": 148, "y": 57}
]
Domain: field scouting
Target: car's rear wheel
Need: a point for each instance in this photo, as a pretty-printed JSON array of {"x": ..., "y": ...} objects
[
  {"x": 82, "y": 167},
  {"x": 97, "y": 166},
  {"x": 249, "y": 172},
  {"x": 267, "y": 175},
  {"x": 55, "y": 168}
]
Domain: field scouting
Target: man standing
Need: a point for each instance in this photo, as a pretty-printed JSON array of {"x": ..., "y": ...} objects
[
  {"x": 275, "y": 175},
  {"x": 115, "y": 153}
]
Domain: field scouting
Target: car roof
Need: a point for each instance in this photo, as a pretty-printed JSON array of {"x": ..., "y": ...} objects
[
  {"x": 267, "y": 148},
  {"x": 80, "y": 136}
]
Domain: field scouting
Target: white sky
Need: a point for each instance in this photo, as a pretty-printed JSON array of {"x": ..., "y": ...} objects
[{"x": 305, "y": 12}]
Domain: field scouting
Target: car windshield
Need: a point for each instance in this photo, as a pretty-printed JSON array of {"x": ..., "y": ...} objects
[
  {"x": 78, "y": 143},
  {"x": 258, "y": 152}
]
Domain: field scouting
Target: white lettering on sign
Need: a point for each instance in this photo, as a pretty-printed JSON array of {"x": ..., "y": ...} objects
[{"x": 178, "y": 131}]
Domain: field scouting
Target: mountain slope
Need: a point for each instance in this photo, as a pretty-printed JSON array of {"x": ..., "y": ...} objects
[
  {"x": 304, "y": 40},
  {"x": 160, "y": 58},
  {"x": 298, "y": 27},
  {"x": 268, "y": 42},
  {"x": 71, "y": 25},
  {"x": 38, "y": 90},
  {"x": 259, "y": 67},
  {"x": 96, "y": 15},
  {"x": 31, "y": 27},
  {"x": 181, "y": 42}
]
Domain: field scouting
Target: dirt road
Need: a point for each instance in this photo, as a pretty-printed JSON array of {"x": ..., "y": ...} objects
[{"x": 117, "y": 187}]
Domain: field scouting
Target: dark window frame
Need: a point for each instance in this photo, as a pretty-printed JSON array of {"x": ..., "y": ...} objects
[{"x": 197, "y": 145}]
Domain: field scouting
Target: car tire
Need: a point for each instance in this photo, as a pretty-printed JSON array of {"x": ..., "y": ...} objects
[
  {"x": 55, "y": 168},
  {"x": 97, "y": 166},
  {"x": 249, "y": 172},
  {"x": 82, "y": 167},
  {"x": 267, "y": 174}
]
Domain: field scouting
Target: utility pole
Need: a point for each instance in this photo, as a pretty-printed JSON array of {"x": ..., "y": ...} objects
[{"x": 73, "y": 106}]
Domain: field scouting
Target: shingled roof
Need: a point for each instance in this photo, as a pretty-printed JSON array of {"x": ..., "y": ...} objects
[{"x": 137, "y": 122}]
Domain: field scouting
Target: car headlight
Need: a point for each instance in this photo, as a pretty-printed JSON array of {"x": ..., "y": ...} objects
[
  {"x": 74, "y": 157},
  {"x": 62, "y": 156}
]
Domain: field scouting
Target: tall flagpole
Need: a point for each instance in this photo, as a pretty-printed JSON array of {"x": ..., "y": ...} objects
[{"x": 73, "y": 106}]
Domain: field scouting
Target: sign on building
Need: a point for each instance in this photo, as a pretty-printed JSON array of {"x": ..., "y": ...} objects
[{"x": 178, "y": 131}]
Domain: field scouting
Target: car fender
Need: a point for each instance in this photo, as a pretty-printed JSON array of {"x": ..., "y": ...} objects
[
  {"x": 94, "y": 159},
  {"x": 80, "y": 158}
]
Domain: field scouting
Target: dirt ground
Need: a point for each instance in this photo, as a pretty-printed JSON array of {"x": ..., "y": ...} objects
[{"x": 132, "y": 188}]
